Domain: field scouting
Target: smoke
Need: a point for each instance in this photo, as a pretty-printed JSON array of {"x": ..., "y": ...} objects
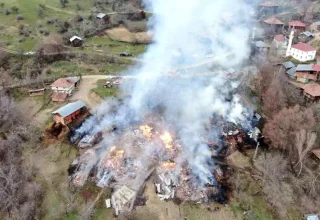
[{"x": 185, "y": 33}]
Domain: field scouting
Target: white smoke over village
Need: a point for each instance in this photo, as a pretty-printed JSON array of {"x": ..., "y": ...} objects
[{"x": 185, "y": 33}]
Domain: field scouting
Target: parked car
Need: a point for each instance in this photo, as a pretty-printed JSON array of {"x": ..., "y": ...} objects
[{"x": 126, "y": 55}]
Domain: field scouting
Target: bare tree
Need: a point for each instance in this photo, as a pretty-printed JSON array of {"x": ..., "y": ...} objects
[
  {"x": 305, "y": 10},
  {"x": 304, "y": 143},
  {"x": 277, "y": 192},
  {"x": 5, "y": 78},
  {"x": 274, "y": 99},
  {"x": 281, "y": 130},
  {"x": 8, "y": 112},
  {"x": 261, "y": 82}
]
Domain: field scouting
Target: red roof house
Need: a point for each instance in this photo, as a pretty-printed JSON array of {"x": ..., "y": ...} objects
[
  {"x": 59, "y": 96},
  {"x": 273, "y": 21},
  {"x": 279, "y": 38},
  {"x": 316, "y": 67},
  {"x": 312, "y": 91},
  {"x": 303, "y": 47},
  {"x": 297, "y": 25},
  {"x": 65, "y": 86}
]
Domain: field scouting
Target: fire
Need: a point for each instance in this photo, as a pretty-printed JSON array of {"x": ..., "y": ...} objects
[
  {"x": 167, "y": 139},
  {"x": 146, "y": 131},
  {"x": 113, "y": 158},
  {"x": 169, "y": 165}
]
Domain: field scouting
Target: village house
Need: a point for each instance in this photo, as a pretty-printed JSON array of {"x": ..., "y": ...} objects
[
  {"x": 103, "y": 17},
  {"x": 288, "y": 65},
  {"x": 280, "y": 41},
  {"x": 297, "y": 26},
  {"x": 69, "y": 112},
  {"x": 305, "y": 36},
  {"x": 63, "y": 87},
  {"x": 273, "y": 25},
  {"x": 303, "y": 52},
  {"x": 312, "y": 92},
  {"x": 304, "y": 73},
  {"x": 300, "y": 51},
  {"x": 260, "y": 47},
  {"x": 76, "y": 41},
  {"x": 268, "y": 8}
]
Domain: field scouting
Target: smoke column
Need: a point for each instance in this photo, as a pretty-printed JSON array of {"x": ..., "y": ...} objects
[{"x": 184, "y": 33}]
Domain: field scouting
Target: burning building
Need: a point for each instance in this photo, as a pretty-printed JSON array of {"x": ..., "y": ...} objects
[{"x": 163, "y": 128}]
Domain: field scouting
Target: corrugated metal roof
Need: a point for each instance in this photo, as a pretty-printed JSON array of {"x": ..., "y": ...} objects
[
  {"x": 70, "y": 108},
  {"x": 291, "y": 71},
  {"x": 75, "y": 37},
  {"x": 101, "y": 15},
  {"x": 288, "y": 64},
  {"x": 307, "y": 33},
  {"x": 304, "y": 67}
]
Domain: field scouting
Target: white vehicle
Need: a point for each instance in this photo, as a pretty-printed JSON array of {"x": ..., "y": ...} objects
[{"x": 29, "y": 53}]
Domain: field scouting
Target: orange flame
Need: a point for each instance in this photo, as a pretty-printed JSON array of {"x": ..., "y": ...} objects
[
  {"x": 113, "y": 158},
  {"x": 167, "y": 139},
  {"x": 146, "y": 131},
  {"x": 169, "y": 165}
]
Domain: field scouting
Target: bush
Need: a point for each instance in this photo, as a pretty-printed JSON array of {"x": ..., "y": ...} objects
[
  {"x": 7, "y": 12},
  {"x": 21, "y": 40},
  {"x": 20, "y": 17},
  {"x": 51, "y": 20}
]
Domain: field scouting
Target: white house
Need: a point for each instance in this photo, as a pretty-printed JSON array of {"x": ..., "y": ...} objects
[
  {"x": 300, "y": 51},
  {"x": 65, "y": 85}
]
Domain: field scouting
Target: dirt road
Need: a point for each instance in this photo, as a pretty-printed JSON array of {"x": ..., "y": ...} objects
[{"x": 84, "y": 91}]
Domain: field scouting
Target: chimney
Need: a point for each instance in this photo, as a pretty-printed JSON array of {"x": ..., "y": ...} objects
[{"x": 288, "y": 53}]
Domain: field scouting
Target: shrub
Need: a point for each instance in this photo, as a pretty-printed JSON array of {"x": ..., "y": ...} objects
[
  {"x": 51, "y": 20},
  {"x": 20, "y": 17}
]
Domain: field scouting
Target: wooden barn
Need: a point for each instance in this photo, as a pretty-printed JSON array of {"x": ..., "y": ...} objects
[
  {"x": 76, "y": 41},
  {"x": 104, "y": 18},
  {"x": 69, "y": 112}
]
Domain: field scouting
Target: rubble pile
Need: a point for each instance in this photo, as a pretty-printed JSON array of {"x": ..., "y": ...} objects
[{"x": 125, "y": 162}]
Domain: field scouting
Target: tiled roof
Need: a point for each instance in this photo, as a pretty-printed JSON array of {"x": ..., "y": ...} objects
[
  {"x": 296, "y": 24},
  {"x": 59, "y": 96},
  {"x": 316, "y": 67},
  {"x": 273, "y": 20},
  {"x": 312, "y": 89},
  {"x": 63, "y": 83},
  {"x": 279, "y": 37},
  {"x": 70, "y": 108},
  {"x": 303, "y": 47}
]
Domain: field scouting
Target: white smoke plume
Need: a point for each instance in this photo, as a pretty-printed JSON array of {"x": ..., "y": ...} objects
[{"x": 184, "y": 33}]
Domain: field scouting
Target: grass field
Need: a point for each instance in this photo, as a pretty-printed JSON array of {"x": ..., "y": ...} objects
[
  {"x": 9, "y": 26},
  {"x": 103, "y": 92}
]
